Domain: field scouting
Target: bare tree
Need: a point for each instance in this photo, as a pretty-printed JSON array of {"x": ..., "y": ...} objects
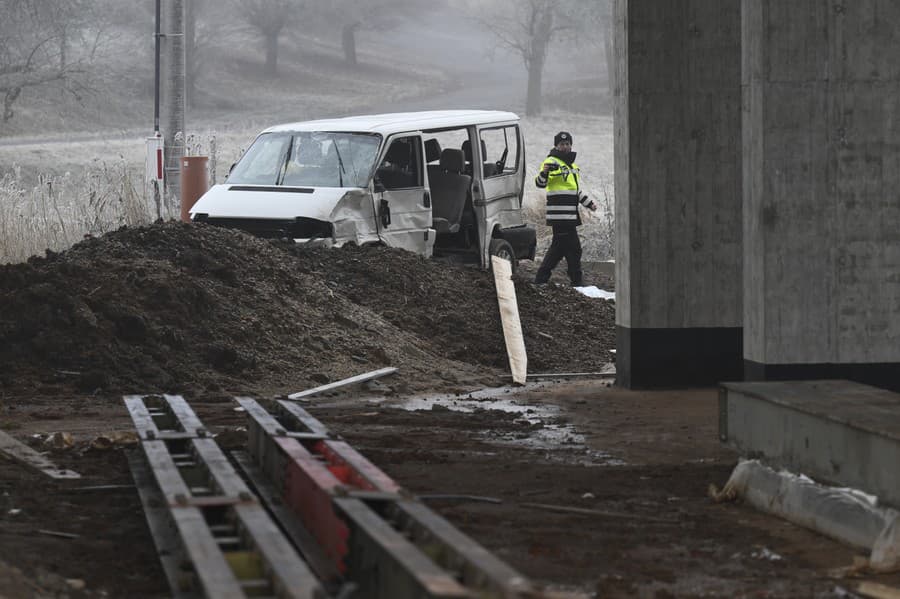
[
  {"x": 269, "y": 18},
  {"x": 528, "y": 28},
  {"x": 596, "y": 19},
  {"x": 205, "y": 24},
  {"x": 191, "y": 53},
  {"x": 201, "y": 21},
  {"x": 67, "y": 19},
  {"x": 34, "y": 42},
  {"x": 354, "y": 15}
]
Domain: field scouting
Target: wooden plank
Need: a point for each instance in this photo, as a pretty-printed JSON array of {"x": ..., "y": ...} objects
[
  {"x": 565, "y": 509},
  {"x": 360, "y": 378},
  {"x": 20, "y": 452},
  {"x": 509, "y": 316},
  {"x": 57, "y": 533},
  {"x": 603, "y": 374},
  {"x": 878, "y": 591}
]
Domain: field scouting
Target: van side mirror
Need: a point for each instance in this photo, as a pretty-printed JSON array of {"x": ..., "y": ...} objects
[{"x": 377, "y": 185}]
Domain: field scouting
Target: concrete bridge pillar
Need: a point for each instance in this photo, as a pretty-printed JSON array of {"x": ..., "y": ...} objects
[
  {"x": 821, "y": 190},
  {"x": 757, "y": 191},
  {"x": 678, "y": 192}
]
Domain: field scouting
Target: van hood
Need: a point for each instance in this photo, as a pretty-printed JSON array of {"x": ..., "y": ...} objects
[{"x": 265, "y": 202}]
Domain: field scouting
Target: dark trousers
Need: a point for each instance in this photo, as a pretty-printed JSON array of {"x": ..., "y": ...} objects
[{"x": 566, "y": 245}]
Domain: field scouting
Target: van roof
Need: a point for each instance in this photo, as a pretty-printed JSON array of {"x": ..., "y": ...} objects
[{"x": 399, "y": 122}]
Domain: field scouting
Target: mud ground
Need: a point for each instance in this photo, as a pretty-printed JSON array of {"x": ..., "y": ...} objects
[{"x": 211, "y": 314}]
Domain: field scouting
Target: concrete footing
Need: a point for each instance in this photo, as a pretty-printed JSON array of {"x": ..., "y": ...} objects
[
  {"x": 886, "y": 376},
  {"x": 833, "y": 431}
]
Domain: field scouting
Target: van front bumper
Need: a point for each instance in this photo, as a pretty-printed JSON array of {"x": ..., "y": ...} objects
[{"x": 301, "y": 228}]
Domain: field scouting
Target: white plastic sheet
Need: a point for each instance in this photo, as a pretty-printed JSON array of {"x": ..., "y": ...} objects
[
  {"x": 847, "y": 515},
  {"x": 596, "y": 292}
]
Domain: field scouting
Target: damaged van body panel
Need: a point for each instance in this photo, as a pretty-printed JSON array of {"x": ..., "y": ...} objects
[
  {"x": 342, "y": 215},
  {"x": 384, "y": 179},
  {"x": 354, "y": 218}
]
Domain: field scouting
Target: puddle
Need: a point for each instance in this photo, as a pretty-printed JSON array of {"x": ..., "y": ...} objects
[{"x": 561, "y": 440}]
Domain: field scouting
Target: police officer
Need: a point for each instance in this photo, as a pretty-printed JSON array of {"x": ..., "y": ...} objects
[{"x": 561, "y": 178}]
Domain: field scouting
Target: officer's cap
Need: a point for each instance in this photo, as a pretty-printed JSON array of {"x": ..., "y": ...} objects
[{"x": 562, "y": 136}]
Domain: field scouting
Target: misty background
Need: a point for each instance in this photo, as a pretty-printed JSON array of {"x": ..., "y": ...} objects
[{"x": 77, "y": 89}]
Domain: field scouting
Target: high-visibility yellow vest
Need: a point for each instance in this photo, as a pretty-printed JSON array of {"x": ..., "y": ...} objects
[{"x": 563, "y": 185}]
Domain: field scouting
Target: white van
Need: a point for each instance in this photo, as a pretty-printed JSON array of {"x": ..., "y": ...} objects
[{"x": 445, "y": 183}]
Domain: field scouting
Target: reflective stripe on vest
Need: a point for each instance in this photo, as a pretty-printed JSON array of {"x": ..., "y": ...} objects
[{"x": 562, "y": 206}]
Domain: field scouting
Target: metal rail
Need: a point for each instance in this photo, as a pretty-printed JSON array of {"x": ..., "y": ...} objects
[
  {"x": 225, "y": 543},
  {"x": 374, "y": 535}
]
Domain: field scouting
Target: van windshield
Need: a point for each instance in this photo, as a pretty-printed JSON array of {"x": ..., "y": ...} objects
[{"x": 308, "y": 159}]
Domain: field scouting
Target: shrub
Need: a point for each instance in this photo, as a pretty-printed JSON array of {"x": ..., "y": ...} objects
[{"x": 59, "y": 211}]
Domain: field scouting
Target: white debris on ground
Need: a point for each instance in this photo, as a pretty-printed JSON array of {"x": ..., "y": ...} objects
[
  {"x": 767, "y": 554},
  {"x": 593, "y": 291},
  {"x": 848, "y": 515}
]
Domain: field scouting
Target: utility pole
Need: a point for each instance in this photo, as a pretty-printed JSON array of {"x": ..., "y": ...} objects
[
  {"x": 190, "y": 49},
  {"x": 154, "y": 175},
  {"x": 156, "y": 42},
  {"x": 175, "y": 104}
]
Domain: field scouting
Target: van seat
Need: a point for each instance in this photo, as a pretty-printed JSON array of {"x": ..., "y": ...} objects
[
  {"x": 432, "y": 150},
  {"x": 489, "y": 168},
  {"x": 449, "y": 188},
  {"x": 432, "y": 155}
]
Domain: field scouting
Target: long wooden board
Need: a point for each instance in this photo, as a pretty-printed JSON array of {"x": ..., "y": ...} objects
[
  {"x": 360, "y": 378},
  {"x": 509, "y": 316},
  {"x": 21, "y": 452}
]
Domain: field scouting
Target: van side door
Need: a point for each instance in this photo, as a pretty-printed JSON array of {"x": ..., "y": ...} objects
[
  {"x": 502, "y": 171},
  {"x": 402, "y": 199}
]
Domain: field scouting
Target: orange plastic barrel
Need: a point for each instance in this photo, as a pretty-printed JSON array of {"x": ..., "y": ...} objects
[{"x": 194, "y": 182}]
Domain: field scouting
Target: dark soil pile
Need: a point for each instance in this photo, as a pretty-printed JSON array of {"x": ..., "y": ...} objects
[
  {"x": 455, "y": 308},
  {"x": 194, "y": 309}
]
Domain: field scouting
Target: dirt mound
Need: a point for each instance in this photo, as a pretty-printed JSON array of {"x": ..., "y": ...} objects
[
  {"x": 192, "y": 309},
  {"x": 455, "y": 307}
]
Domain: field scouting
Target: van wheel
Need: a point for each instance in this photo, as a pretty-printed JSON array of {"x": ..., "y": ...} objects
[{"x": 502, "y": 249}]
